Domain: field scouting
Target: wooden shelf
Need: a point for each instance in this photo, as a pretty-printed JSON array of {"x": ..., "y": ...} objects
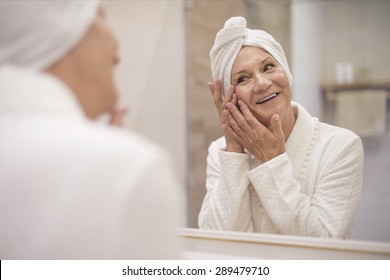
[{"x": 330, "y": 90}]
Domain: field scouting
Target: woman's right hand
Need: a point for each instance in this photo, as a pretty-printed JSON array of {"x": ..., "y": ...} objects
[{"x": 220, "y": 104}]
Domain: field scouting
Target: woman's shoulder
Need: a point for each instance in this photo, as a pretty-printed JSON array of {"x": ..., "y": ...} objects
[
  {"x": 333, "y": 132},
  {"x": 339, "y": 140},
  {"x": 326, "y": 132}
]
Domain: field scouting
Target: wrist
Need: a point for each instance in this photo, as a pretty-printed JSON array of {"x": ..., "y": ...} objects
[{"x": 234, "y": 149}]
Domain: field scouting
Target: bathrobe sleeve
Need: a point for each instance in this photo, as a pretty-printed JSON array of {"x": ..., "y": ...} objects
[
  {"x": 226, "y": 204},
  {"x": 330, "y": 211}
]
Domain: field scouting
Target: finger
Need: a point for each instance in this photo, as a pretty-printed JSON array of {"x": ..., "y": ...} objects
[
  {"x": 228, "y": 96},
  {"x": 117, "y": 116},
  {"x": 276, "y": 128},
  {"x": 236, "y": 121},
  {"x": 248, "y": 116},
  {"x": 234, "y": 99},
  {"x": 215, "y": 90},
  {"x": 211, "y": 87},
  {"x": 232, "y": 133},
  {"x": 239, "y": 117}
]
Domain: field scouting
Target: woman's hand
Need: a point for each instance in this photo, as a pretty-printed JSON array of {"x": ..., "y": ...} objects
[
  {"x": 117, "y": 115},
  {"x": 231, "y": 144},
  {"x": 262, "y": 142}
]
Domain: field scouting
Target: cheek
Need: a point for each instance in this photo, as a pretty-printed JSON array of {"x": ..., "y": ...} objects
[
  {"x": 110, "y": 39},
  {"x": 282, "y": 79},
  {"x": 243, "y": 93}
]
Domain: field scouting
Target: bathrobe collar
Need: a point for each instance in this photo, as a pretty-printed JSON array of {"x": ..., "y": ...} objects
[{"x": 299, "y": 143}]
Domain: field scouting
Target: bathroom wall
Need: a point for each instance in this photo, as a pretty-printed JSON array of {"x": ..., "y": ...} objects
[
  {"x": 325, "y": 33},
  {"x": 151, "y": 76},
  {"x": 357, "y": 32}
]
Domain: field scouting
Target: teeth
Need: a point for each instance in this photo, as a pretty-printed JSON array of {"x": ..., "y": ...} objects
[{"x": 267, "y": 98}]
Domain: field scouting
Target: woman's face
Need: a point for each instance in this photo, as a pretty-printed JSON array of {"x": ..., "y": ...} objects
[
  {"x": 262, "y": 84},
  {"x": 96, "y": 57}
]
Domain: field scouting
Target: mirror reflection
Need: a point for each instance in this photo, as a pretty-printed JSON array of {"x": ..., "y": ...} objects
[{"x": 336, "y": 52}]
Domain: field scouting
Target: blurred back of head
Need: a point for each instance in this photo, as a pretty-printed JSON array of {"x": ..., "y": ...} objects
[{"x": 36, "y": 34}]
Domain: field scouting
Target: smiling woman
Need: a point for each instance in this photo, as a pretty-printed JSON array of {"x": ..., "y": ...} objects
[
  {"x": 259, "y": 79},
  {"x": 277, "y": 169}
]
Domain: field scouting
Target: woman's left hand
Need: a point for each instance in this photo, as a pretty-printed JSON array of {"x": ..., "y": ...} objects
[
  {"x": 262, "y": 142},
  {"x": 117, "y": 115}
]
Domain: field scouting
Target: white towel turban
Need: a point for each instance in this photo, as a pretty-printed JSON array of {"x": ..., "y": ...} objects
[
  {"x": 228, "y": 43},
  {"x": 36, "y": 34}
]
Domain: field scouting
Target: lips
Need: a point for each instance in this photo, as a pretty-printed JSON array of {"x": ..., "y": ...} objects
[{"x": 267, "y": 98}]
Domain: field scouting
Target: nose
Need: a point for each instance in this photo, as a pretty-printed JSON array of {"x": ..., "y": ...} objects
[{"x": 261, "y": 82}]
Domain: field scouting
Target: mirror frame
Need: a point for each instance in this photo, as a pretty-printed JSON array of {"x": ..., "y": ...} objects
[{"x": 210, "y": 244}]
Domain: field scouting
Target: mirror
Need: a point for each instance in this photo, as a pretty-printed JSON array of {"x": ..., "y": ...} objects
[
  {"x": 165, "y": 53},
  {"x": 318, "y": 37}
]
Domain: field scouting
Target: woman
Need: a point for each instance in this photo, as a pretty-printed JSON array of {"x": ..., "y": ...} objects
[
  {"x": 277, "y": 169},
  {"x": 70, "y": 186}
]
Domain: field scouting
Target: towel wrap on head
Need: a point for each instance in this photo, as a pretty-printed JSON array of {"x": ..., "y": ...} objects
[
  {"x": 228, "y": 43},
  {"x": 36, "y": 34}
]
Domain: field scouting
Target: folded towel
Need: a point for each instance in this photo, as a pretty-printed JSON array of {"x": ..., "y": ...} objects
[
  {"x": 228, "y": 43},
  {"x": 362, "y": 112}
]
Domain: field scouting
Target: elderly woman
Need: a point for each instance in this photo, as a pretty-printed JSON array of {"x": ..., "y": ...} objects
[
  {"x": 277, "y": 169},
  {"x": 70, "y": 186}
]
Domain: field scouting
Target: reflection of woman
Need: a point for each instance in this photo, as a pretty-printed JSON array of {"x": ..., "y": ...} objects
[{"x": 278, "y": 169}]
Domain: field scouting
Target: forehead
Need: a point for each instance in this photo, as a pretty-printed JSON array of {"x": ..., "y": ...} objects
[
  {"x": 250, "y": 56},
  {"x": 251, "y": 52}
]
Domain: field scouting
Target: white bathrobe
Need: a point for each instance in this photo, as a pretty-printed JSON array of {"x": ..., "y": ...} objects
[
  {"x": 71, "y": 188},
  {"x": 313, "y": 189}
]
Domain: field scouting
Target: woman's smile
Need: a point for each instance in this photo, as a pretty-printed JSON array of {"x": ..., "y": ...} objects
[{"x": 267, "y": 99}]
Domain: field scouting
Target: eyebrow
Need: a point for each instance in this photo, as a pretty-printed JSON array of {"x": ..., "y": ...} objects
[{"x": 270, "y": 57}]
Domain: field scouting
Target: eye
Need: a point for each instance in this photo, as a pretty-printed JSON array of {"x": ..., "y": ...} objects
[
  {"x": 241, "y": 79},
  {"x": 269, "y": 66}
]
